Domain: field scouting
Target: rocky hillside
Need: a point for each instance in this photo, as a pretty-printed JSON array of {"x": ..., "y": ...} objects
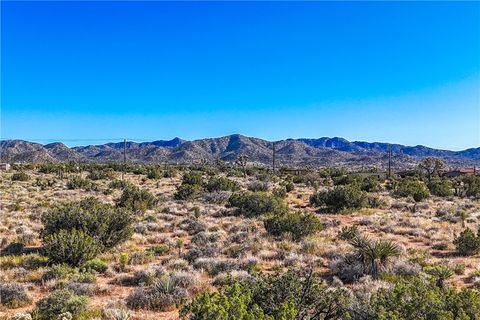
[{"x": 290, "y": 152}]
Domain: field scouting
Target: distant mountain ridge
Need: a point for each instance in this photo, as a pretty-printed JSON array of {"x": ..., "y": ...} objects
[{"x": 290, "y": 152}]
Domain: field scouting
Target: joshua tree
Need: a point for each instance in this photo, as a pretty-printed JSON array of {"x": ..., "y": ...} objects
[
  {"x": 374, "y": 255},
  {"x": 242, "y": 162},
  {"x": 179, "y": 246},
  {"x": 431, "y": 166},
  {"x": 463, "y": 215}
]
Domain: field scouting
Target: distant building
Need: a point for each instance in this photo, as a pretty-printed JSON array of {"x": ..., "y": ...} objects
[
  {"x": 4, "y": 166},
  {"x": 293, "y": 171},
  {"x": 460, "y": 172}
]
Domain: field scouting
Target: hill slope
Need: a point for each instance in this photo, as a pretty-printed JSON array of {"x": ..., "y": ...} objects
[{"x": 290, "y": 152}]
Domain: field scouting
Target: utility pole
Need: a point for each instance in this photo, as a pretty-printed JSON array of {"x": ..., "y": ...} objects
[
  {"x": 124, "y": 157},
  {"x": 273, "y": 158},
  {"x": 389, "y": 161}
]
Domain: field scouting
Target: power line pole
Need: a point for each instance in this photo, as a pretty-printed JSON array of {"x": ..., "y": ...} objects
[
  {"x": 389, "y": 161},
  {"x": 273, "y": 158},
  {"x": 124, "y": 157}
]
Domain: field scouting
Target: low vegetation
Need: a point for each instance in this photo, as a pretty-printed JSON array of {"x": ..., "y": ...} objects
[{"x": 237, "y": 242}]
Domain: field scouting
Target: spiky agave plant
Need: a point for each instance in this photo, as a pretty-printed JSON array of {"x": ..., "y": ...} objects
[
  {"x": 441, "y": 273},
  {"x": 374, "y": 254}
]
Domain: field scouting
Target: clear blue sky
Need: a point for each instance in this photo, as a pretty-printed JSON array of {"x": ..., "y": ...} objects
[{"x": 394, "y": 72}]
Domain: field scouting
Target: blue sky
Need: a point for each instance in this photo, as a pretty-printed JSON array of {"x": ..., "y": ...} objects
[{"x": 81, "y": 72}]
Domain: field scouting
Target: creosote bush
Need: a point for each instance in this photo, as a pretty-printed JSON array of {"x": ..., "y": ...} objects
[
  {"x": 59, "y": 302},
  {"x": 467, "y": 243},
  {"x": 293, "y": 295},
  {"x": 136, "y": 199},
  {"x": 472, "y": 186},
  {"x": 73, "y": 247},
  {"x": 191, "y": 186},
  {"x": 78, "y": 182},
  {"x": 254, "y": 204},
  {"x": 77, "y": 231},
  {"x": 20, "y": 176},
  {"x": 187, "y": 191},
  {"x": 441, "y": 187},
  {"x": 297, "y": 225},
  {"x": 221, "y": 184},
  {"x": 412, "y": 188},
  {"x": 13, "y": 295},
  {"x": 340, "y": 198}
]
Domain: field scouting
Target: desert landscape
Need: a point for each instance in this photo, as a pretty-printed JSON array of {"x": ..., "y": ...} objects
[
  {"x": 108, "y": 241},
  {"x": 239, "y": 160}
]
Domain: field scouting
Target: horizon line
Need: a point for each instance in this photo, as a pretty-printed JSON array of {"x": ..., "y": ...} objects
[{"x": 147, "y": 140}]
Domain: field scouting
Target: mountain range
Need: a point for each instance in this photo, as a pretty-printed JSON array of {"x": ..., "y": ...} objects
[{"x": 290, "y": 152}]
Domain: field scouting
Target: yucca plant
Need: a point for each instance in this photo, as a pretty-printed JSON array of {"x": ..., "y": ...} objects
[
  {"x": 117, "y": 314},
  {"x": 374, "y": 254},
  {"x": 441, "y": 273}
]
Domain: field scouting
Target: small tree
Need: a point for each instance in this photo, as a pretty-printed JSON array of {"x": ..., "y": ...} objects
[
  {"x": 467, "y": 243},
  {"x": 242, "y": 161},
  {"x": 431, "y": 166}
]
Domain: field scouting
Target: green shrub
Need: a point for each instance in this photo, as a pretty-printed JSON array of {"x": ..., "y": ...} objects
[
  {"x": 234, "y": 303},
  {"x": 412, "y": 188},
  {"x": 472, "y": 186},
  {"x": 169, "y": 173},
  {"x": 136, "y": 200},
  {"x": 340, "y": 198},
  {"x": 154, "y": 173},
  {"x": 59, "y": 272},
  {"x": 106, "y": 173},
  {"x": 420, "y": 299},
  {"x": 159, "y": 249},
  {"x": 20, "y": 176},
  {"x": 467, "y": 243},
  {"x": 254, "y": 204},
  {"x": 13, "y": 295},
  {"x": 60, "y": 302},
  {"x": 106, "y": 224},
  {"x": 119, "y": 184},
  {"x": 370, "y": 184},
  {"x": 187, "y": 191},
  {"x": 78, "y": 182},
  {"x": 441, "y": 187},
  {"x": 73, "y": 247},
  {"x": 298, "y": 225},
  {"x": 30, "y": 261},
  {"x": 279, "y": 192},
  {"x": 289, "y": 186},
  {"x": 292, "y": 295},
  {"x": 221, "y": 184},
  {"x": 344, "y": 180},
  {"x": 96, "y": 265},
  {"x": 192, "y": 178}
]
